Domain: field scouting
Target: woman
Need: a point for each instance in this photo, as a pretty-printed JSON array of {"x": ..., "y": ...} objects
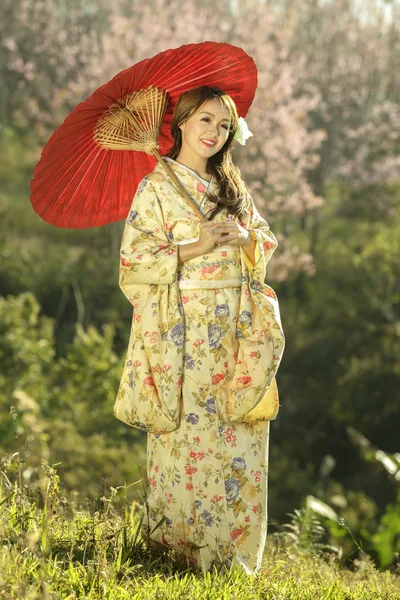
[{"x": 205, "y": 345}]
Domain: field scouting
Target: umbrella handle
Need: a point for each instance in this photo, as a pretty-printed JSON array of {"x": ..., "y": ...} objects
[{"x": 177, "y": 183}]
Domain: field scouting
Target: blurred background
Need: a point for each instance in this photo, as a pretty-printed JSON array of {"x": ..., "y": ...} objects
[{"x": 324, "y": 169}]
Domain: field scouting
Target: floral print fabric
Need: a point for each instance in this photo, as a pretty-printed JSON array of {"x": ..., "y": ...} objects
[{"x": 205, "y": 345}]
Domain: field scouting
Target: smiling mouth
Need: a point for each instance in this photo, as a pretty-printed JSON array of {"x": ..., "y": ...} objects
[{"x": 209, "y": 143}]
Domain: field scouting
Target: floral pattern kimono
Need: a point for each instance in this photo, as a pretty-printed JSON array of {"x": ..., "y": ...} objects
[{"x": 205, "y": 345}]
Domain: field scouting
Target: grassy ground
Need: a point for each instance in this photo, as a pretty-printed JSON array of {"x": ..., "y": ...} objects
[{"x": 51, "y": 550}]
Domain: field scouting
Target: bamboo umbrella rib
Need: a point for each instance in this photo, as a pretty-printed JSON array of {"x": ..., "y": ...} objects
[{"x": 134, "y": 123}]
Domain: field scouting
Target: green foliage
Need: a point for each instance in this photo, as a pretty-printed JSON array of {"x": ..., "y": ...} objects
[
  {"x": 50, "y": 549},
  {"x": 306, "y": 532},
  {"x": 62, "y": 407}
]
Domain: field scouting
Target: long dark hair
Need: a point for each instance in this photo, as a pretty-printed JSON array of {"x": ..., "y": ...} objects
[{"x": 231, "y": 191}]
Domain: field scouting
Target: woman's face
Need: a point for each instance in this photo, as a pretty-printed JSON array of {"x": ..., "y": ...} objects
[{"x": 207, "y": 130}]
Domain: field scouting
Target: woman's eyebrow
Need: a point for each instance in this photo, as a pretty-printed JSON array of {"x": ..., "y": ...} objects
[{"x": 204, "y": 112}]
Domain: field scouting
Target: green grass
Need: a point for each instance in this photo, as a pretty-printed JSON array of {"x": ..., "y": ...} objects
[{"x": 51, "y": 549}]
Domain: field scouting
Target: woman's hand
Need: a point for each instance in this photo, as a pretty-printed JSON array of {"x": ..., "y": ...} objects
[{"x": 213, "y": 234}]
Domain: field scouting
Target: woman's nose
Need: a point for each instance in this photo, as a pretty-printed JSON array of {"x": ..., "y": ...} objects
[{"x": 215, "y": 131}]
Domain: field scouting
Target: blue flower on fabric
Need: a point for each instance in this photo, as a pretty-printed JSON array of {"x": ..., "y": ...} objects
[
  {"x": 132, "y": 216},
  {"x": 214, "y": 335},
  {"x": 207, "y": 517},
  {"x": 177, "y": 334},
  {"x": 142, "y": 185},
  {"x": 189, "y": 362},
  {"x": 130, "y": 379},
  {"x": 245, "y": 317},
  {"x": 197, "y": 503},
  {"x": 210, "y": 406},
  {"x": 232, "y": 489},
  {"x": 192, "y": 418},
  {"x": 168, "y": 521},
  {"x": 181, "y": 309},
  {"x": 256, "y": 285},
  {"x": 222, "y": 310},
  {"x": 238, "y": 463},
  {"x": 190, "y": 521}
]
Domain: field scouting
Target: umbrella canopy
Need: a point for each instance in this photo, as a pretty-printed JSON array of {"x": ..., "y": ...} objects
[{"x": 79, "y": 184}]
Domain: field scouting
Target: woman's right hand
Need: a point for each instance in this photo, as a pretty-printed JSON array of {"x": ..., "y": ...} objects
[{"x": 211, "y": 235}]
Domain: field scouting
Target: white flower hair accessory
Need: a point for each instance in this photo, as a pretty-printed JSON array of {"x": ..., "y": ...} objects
[{"x": 242, "y": 133}]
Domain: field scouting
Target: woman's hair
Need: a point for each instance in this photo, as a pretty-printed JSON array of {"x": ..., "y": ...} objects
[{"x": 232, "y": 191}]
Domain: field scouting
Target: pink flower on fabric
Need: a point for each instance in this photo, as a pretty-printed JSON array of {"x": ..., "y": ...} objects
[
  {"x": 217, "y": 378},
  {"x": 198, "y": 343},
  {"x": 244, "y": 380},
  {"x": 166, "y": 368},
  {"x": 210, "y": 269},
  {"x": 201, "y": 188},
  {"x": 189, "y": 470},
  {"x": 185, "y": 299},
  {"x": 148, "y": 381},
  {"x": 137, "y": 363},
  {"x": 268, "y": 245},
  {"x": 189, "y": 486},
  {"x": 215, "y": 499},
  {"x": 236, "y": 533},
  {"x": 125, "y": 262}
]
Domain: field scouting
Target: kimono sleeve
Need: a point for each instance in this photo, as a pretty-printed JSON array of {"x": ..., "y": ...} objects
[
  {"x": 266, "y": 242},
  {"x": 149, "y": 395},
  {"x": 253, "y": 391},
  {"x": 146, "y": 254}
]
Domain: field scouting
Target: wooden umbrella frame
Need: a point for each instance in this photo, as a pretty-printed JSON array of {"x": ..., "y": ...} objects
[{"x": 134, "y": 123}]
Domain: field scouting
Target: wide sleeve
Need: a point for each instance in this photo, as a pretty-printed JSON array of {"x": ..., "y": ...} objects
[
  {"x": 266, "y": 242},
  {"x": 253, "y": 392},
  {"x": 150, "y": 390},
  {"x": 146, "y": 254}
]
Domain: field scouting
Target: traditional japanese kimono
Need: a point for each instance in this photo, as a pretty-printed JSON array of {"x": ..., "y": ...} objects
[{"x": 205, "y": 345}]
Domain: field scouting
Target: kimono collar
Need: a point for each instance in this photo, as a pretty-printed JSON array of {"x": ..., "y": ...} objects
[{"x": 189, "y": 173}]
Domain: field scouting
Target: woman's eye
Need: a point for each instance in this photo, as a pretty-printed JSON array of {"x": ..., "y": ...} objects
[
  {"x": 206, "y": 119},
  {"x": 225, "y": 127}
]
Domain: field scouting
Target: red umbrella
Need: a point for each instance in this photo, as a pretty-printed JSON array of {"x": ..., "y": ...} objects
[{"x": 79, "y": 184}]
